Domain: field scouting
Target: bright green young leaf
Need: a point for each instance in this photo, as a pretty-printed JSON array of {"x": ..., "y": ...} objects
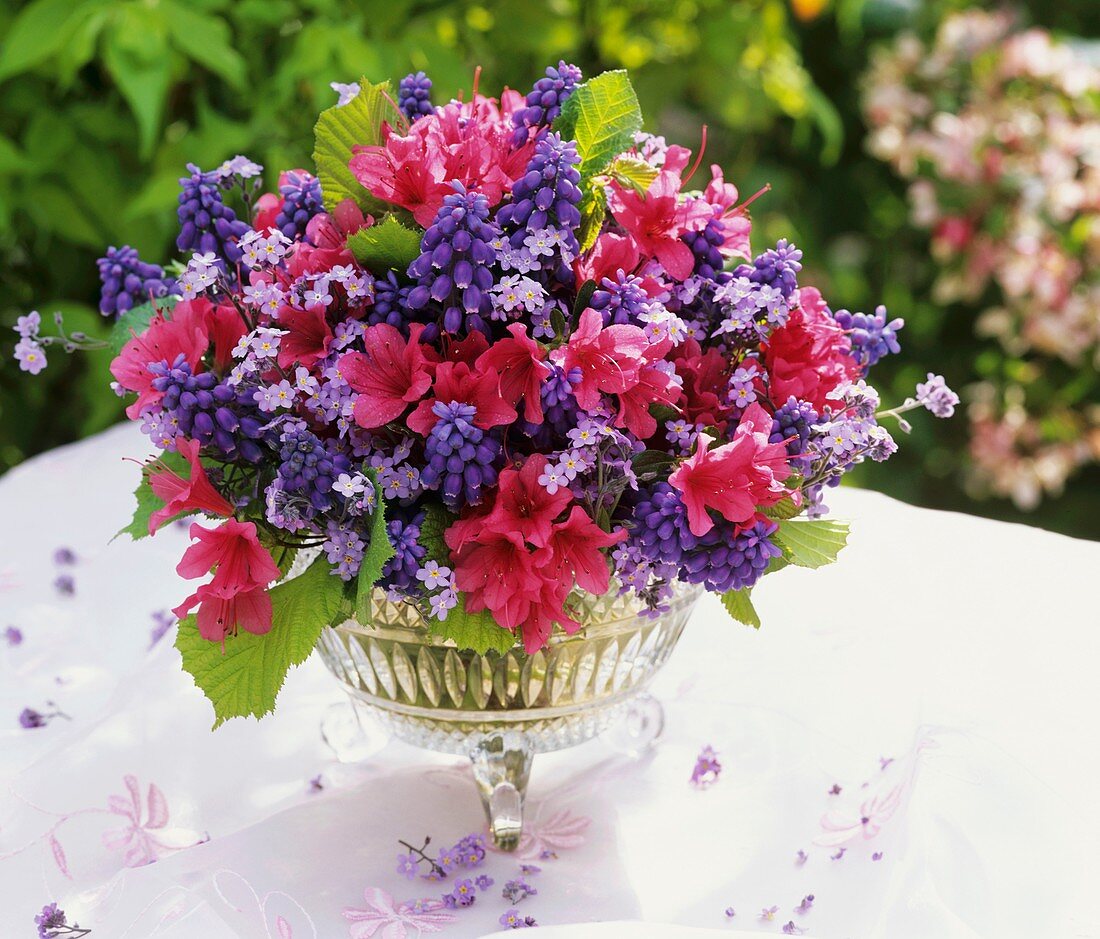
[
  {"x": 389, "y": 245},
  {"x": 738, "y": 604},
  {"x": 811, "y": 543},
  {"x": 784, "y": 509},
  {"x": 339, "y": 130},
  {"x": 476, "y": 631},
  {"x": 629, "y": 171},
  {"x": 136, "y": 320},
  {"x": 593, "y": 209},
  {"x": 245, "y": 680},
  {"x": 379, "y": 551},
  {"x": 602, "y": 116},
  {"x": 147, "y": 501},
  {"x": 436, "y": 521}
]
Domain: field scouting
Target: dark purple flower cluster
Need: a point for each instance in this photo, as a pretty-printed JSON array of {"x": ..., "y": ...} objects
[
  {"x": 547, "y": 194},
  {"x": 778, "y": 267},
  {"x": 52, "y": 923},
  {"x": 792, "y": 423},
  {"x": 207, "y": 224},
  {"x": 705, "y": 246},
  {"x": 400, "y": 570},
  {"x": 622, "y": 300},
  {"x": 301, "y": 192},
  {"x": 210, "y": 411},
  {"x": 454, "y": 269},
  {"x": 726, "y": 561},
  {"x": 391, "y": 301},
  {"x": 559, "y": 407},
  {"x": 309, "y": 466},
  {"x": 460, "y": 455},
  {"x": 544, "y": 101},
  {"x": 662, "y": 526},
  {"x": 127, "y": 281},
  {"x": 414, "y": 95},
  {"x": 872, "y": 336}
]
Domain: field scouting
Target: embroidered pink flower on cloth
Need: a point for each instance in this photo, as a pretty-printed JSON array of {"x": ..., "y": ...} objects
[
  {"x": 144, "y": 841},
  {"x": 544, "y": 838},
  {"x": 385, "y": 919}
]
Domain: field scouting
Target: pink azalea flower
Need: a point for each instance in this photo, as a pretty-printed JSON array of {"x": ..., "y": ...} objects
[
  {"x": 610, "y": 254},
  {"x": 572, "y": 553},
  {"x": 734, "y": 478},
  {"x": 722, "y": 197},
  {"x": 166, "y": 338},
  {"x": 524, "y": 506},
  {"x": 385, "y": 919},
  {"x": 145, "y": 837},
  {"x": 389, "y": 376},
  {"x": 193, "y": 494},
  {"x": 519, "y": 369},
  {"x": 307, "y": 339},
  {"x": 657, "y": 219},
  {"x": 609, "y": 358},
  {"x": 653, "y": 387},
  {"x": 456, "y": 381},
  {"x": 237, "y": 594}
]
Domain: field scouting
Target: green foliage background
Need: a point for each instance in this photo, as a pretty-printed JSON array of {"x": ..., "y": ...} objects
[{"x": 103, "y": 102}]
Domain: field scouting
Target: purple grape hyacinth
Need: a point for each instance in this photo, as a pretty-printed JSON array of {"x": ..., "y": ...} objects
[
  {"x": 705, "y": 246},
  {"x": 544, "y": 101},
  {"x": 792, "y": 423},
  {"x": 127, "y": 281},
  {"x": 207, "y": 224},
  {"x": 546, "y": 195},
  {"x": 400, "y": 570},
  {"x": 301, "y": 194},
  {"x": 872, "y": 336},
  {"x": 662, "y": 529},
  {"x": 725, "y": 561},
  {"x": 460, "y": 455},
  {"x": 778, "y": 267},
  {"x": 622, "y": 300},
  {"x": 454, "y": 269},
  {"x": 414, "y": 95}
]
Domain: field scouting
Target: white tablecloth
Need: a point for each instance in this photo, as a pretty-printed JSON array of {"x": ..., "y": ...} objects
[{"x": 942, "y": 676}]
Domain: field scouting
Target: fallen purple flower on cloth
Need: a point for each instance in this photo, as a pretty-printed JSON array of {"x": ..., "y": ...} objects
[
  {"x": 547, "y": 855},
  {"x": 790, "y": 929},
  {"x": 467, "y": 853},
  {"x": 63, "y": 557},
  {"x": 835, "y": 791},
  {"x": 730, "y": 912},
  {"x": 513, "y": 920},
  {"x": 806, "y": 905},
  {"x": 839, "y": 854},
  {"x": 768, "y": 913},
  {"x": 877, "y": 856},
  {"x": 30, "y": 719},
  {"x": 13, "y": 636},
  {"x": 884, "y": 761},
  {"x": 464, "y": 894},
  {"x": 316, "y": 784},
  {"x": 65, "y": 585},
  {"x": 707, "y": 768},
  {"x": 516, "y": 890},
  {"x": 801, "y": 857},
  {"x": 530, "y": 869},
  {"x": 52, "y": 924}
]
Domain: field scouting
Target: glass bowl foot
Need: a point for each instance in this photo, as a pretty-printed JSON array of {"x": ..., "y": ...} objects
[
  {"x": 502, "y": 767},
  {"x": 640, "y": 728}
]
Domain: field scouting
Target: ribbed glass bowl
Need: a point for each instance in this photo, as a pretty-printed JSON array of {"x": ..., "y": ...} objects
[{"x": 502, "y": 709}]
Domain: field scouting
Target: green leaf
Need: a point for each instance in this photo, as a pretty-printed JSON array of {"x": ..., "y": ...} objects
[
  {"x": 738, "y": 604},
  {"x": 245, "y": 680},
  {"x": 583, "y": 296},
  {"x": 386, "y": 246},
  {"x": 602, "y": 116},
  {"x": 436, "y": 521},
  {"x": 136, "y": 320},
  {"x": 593, "y": 209},
  {"x": 379, "y": 551},
  {"x": 39, "y": 31},
  {"x": 339, "y": 130},
  {"x": 651, "y": 463},
  {"x": 784, "y": 509},
  {"x": 476, "y": 631},
  {"x": 147, "y": 500},
  {"x": 206, "y": 39},
  {"x": 811, "y": 543},
  {"x": 137, "y": 56},
  {"x": 629, "y": 171}
]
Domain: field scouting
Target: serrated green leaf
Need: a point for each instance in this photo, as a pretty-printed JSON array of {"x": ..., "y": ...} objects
[
  {"x": 630, "y": 171},
  {"x": 436, "y": 521},
  {"x": 784, "y": 509},
  {"x": 813, "y": 543},
  {"x": 246, "y": 679},
  {"x": 136, "y": 320},
  {"x": 593, "y": 209},
  {"x": 738, "y": 604},
  {"x": 147, "y": 501},
  {"x": 476, "y": 631},
  {"x": 379, "y": 551},
  {"x": 339, "y": 130},
  {"x": 602, "y": 116},
  {"x": 387, "y": 246}
]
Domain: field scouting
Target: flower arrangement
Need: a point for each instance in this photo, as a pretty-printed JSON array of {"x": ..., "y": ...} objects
[
  {"x": 491, "y": 356},
  {"x": 998, "y": 132}
]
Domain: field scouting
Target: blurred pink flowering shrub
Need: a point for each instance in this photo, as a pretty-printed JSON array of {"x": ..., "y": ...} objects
[{"x": 997, "y": 130}]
